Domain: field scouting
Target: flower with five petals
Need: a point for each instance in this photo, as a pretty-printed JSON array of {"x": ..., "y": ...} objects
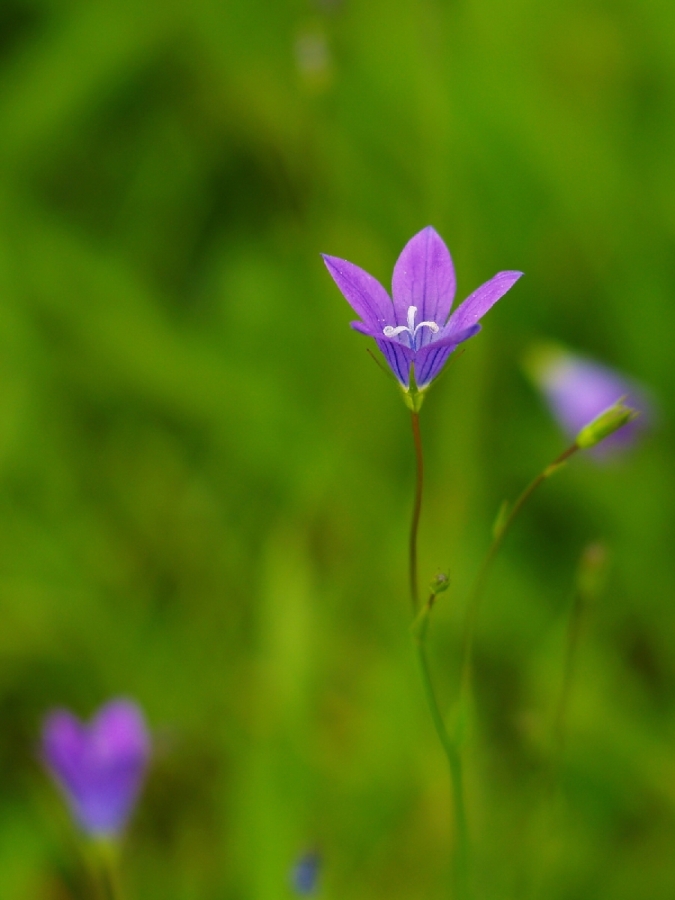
[{"x": 417, "y": 332}]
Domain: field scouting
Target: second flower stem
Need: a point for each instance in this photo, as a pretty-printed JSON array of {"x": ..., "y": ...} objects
[{"x": 501, "y": 530}]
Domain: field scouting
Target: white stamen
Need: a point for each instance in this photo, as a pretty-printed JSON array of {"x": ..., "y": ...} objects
[{"x": 411, "y": 328}]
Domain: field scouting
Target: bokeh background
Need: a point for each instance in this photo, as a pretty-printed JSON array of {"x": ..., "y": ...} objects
[{"x": 205, "y": 482}]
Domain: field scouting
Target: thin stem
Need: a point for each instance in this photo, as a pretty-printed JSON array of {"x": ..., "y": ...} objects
[
  {"x": 108, "y": 871},
  {"x": 589, "y": 584},
  {"x": 450, "y": 749},
  {"x": 501, "y": 531},
  {"x": 573, "y": 634},
  {"x": 454, "y": 764},
  {"x": 417, "y": 509}
]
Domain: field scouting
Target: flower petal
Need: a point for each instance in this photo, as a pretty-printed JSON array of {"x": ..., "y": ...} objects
[
  {"x": 119, "y": 751},
  {"x": 430, "y": 359},
  {"x": 364, "y": 293},
  {"x": 119, "y": 731},
  {"x": 477, "y": 304},
  {"x": 397, "y": 354},
  {"x": 424, "y": 277},
  {"x": 399, "y": 358},
  {"x": 63, "y": 748}
]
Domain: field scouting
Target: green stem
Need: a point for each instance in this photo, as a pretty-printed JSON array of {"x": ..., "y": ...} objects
[
  {"x": 419, "y": 635},
  {"x": 417, "y": 509},
  {"x": 454, "y": 764},
  {"x": 573, "y": 634},
  {"x": 589, "y": 584},
  {"x": 109, "y": 879},
  {"x": 473, "y": 604}
]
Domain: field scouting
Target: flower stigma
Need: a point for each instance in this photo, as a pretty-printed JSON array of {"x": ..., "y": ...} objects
[{"x": 411, "y": 328}]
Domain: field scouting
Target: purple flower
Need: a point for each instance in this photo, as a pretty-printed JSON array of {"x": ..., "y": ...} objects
[
  {"x": 578, "y": 390},
  {"x": 416, "y": 333},
  {"x": 99, "y": 765}
]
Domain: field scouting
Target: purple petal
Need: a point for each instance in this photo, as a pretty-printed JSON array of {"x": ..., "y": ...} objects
[
  {"x": 100, "y": 766},
  {"x": 399, "y": 358},
  {"x": 430, "y": 359},
  {"x": 449, "y": 336},
  {"x": 365, "y": 294},
  {"x": 63, "y": 746},
  {"x": 397, "y": 354},
  {"x": 118, "y": 731},
  {"x": 424, "y": 277},
  {"x": 477, "y": 304}
]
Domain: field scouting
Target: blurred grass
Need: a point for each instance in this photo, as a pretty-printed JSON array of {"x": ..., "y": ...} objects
[{"x": 205, "y": 483}]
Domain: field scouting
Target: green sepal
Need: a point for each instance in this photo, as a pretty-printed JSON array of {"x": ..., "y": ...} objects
[
  {"x": 412, "y": 396},
  {"x": 438, "y": 584},
  {"x": 606, "y": 423}
]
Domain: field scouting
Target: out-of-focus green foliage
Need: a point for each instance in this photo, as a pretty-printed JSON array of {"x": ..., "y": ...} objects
[{"x": 205, "y": 482}]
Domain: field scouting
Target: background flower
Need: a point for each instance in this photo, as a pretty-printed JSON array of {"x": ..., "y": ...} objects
[
  {"x": 99, "y": 765},
  {"x": 578, "y": 389}
]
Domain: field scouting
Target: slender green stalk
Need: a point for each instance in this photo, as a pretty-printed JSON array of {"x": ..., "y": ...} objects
[
  {"x": 419, "y": 629},
  {"x": 107, "y": 865},
  {"x": 573, "y": 633},
  {"x": 589, "y": 583},
  {"x": 551, "y": 831},
  {"x": 417, "y": 509},
  {"x": 454, "y": 761},
  {"x": 501, "y": 530}
]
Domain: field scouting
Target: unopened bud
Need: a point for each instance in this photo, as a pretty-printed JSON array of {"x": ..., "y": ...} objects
[
  {"x": 439, "y": 583},
  {"x": 605, "y": 424}
]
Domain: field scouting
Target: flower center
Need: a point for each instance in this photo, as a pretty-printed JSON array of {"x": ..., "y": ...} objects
[{"x": 411, "y": 328}]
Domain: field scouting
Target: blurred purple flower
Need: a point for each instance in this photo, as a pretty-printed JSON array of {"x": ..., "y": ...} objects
[
  {"x": 578, "y": 389},
  {"x": 305, "y": 873},
  {"x": 417, "y": 329},
  {"x": 99, "y": 765}
]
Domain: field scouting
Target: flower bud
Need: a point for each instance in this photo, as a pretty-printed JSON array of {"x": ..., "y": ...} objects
[
  {"x": 580, "y": 391},
  {"x": 439, "y": 583},
  {"x": 604, "y": 425}
]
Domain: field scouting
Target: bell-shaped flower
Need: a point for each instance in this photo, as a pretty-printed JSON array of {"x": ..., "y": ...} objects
[
  {"x": 100, "y": 765},
  {"x": 417, "y": 332},
  {"x": 578, "y": 390}
]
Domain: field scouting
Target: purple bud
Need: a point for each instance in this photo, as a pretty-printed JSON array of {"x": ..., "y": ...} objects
[
  {"x": 578, "y": 390},
  {"x": 305, "y": 873},
  {"x": 100, "y": 765}
]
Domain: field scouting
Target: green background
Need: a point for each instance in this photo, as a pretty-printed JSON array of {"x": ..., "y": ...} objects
[{"x": 205, "y": 482}]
